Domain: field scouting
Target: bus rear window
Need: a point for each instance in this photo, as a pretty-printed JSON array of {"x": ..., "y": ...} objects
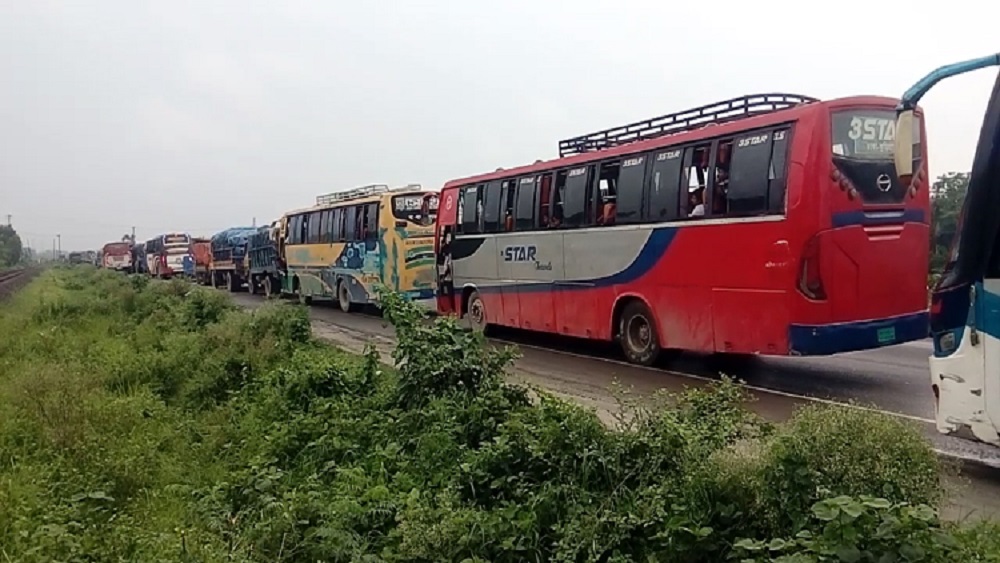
[
  {"x": 864, "y": 134},
  {"x": 117, "y": 249},
  {"x": 419, "y": 209}
]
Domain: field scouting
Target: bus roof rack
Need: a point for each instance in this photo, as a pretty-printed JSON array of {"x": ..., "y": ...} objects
[
  {"x": 409, "y": 188},
  {"x": 363, "y": 191},
  {"x": 687, "y": 120}
]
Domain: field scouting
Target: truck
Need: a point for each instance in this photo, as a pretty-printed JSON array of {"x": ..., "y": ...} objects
[
  {"x": 201, "y": 250},
  {"x": 228, "y": 268},
  {"x": 265, "y": 266}
]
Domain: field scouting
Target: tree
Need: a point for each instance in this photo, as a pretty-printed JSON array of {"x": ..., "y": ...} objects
[
  {"x": 10, "y": 246},
  {"x": 947, "y": 197}
]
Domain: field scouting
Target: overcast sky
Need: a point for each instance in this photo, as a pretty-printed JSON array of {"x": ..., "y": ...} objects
[{"x": 197, "y": 116}]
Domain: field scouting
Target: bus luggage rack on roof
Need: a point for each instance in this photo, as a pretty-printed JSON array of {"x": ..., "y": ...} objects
[
  {"x": 363, "y": 191},
  {"x": 712, "y": 114}
]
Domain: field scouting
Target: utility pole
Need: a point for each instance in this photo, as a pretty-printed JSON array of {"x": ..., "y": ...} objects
[
  {"x": 253, "y": 225},
  {"x": 59, "y": 247},
  {"x": 8, "y": 219},
  {"x": 133, "y": 235},
  {"x": 53, "y": 249}
]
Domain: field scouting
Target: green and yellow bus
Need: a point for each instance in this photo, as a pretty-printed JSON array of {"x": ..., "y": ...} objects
[{"x": 351, "y": 242}]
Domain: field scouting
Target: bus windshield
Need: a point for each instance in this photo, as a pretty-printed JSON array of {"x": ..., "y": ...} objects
[
  {"x": 864, "y": 134},
  {"x": 418, "y": 208},
  {"x": 117, "y": 248}
]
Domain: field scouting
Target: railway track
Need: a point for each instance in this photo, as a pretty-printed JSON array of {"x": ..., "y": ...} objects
[{"x": 14, "y": 279}]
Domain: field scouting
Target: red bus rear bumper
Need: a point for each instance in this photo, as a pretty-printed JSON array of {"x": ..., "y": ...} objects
[{"x": 827, "y": 339}]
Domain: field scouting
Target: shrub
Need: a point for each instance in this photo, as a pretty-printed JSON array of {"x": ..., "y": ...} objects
[{"x": 154, "y": 421}]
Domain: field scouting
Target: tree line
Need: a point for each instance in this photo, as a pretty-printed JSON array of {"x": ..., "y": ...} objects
[
  {"x": 947, "y": 196},
  {"x": 11, "y": 250}
]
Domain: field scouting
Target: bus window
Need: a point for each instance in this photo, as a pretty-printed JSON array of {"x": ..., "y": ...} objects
[
  {"x": 508, "y": 193},
  {"x": 607, "y": 195},
  {"x": 525, "y": 213},
  {"x": 545, "y": 200},
  {"x": 628, "y": 206},
  {"x": 664, "y": 187},
  {"x": 720, "y": 178},
  {"x": 750, "y": 174},
  {"x": 696, "y": 179},
  {"x": 576, "y": 197},
  {"x": 314, "y": 228},
  {"x": 491, "y": 207},
  {"x": 371, "y": 221},
  {"x": 324, "y": 226},
  {"x": 470, "y": 210},
  {"x": 359, "y": 222},
  {"x": 337, "y": 226},
  {"x": 350, "y": 223},
  {"x": 777, "y": 172}
]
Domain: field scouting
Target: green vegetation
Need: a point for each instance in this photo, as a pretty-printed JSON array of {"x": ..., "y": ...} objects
[
  {"x": 947, "y": 197},
  {"x": 147, "y": 421},
  {"x": 10, "y": 247}
]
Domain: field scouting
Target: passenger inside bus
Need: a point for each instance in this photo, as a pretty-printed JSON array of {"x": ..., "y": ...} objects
[{"x": 697, "y": 202}]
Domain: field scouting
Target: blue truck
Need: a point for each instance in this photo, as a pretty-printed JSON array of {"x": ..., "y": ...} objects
[
  {"x": 228, "y": 268},
  {"x": 266, "y": 269}
]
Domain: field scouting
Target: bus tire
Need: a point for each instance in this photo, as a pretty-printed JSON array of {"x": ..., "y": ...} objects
[
  {"x": 344, "y": 297},
  {"x": 476, "y": 312},
  {"x": 637, "y": 334},
  {"x": 232, "y": 282},
  {"x": 252, "y": 285}
]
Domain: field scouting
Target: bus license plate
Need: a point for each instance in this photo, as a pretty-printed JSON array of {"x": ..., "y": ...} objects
[{"x": 886, "y": 335}]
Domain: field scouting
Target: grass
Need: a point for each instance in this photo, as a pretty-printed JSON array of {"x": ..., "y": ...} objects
[{"x": 146, "y": 421}]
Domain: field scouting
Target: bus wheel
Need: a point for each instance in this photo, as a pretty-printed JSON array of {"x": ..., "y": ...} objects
[
  {"x": 344, "y": 298},
  {"x": 477, "y": 312},
  {"x": 637, "y": 334},
  {"x": 252, "y": 285}
]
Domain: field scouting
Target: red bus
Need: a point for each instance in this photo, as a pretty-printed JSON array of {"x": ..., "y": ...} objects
[
  {"x": 117, "y": 256},
  {"x": 769, "y": 224}
]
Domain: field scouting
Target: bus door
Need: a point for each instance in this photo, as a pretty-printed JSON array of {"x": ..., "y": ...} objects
[
  {"x": 526, "y": 260},
  {"x": 443, "y": 246},
  {"x": 965, "y": 307}
]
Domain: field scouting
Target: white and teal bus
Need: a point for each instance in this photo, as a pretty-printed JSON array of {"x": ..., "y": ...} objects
[{"x": 965, "y": 303}]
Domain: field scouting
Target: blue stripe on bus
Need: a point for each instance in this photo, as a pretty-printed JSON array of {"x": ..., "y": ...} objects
[
  {"x": 652, "y": 251},
  {"x": 822, "y": 340},
  {"x": 872, "y": 218},
  {"x": 988, "y": 311}
]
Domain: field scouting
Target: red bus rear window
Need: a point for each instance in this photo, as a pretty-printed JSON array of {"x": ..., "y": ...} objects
[
  {"x": 864, "y": 134},
  {"x": 117, "y": 248}
]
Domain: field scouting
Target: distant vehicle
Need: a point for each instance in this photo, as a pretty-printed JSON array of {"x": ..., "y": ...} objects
[
  {"x": 350, "y": 242},
  {"x": 769, "y": 224},
  {"x": 139, "y": 265},
  {"x": 266, "y": 269},
  {"x": 228, "y": 267},
  {"x": 117, "y": 256},
  {"x": 77, "y": 258},
  {"x": 165, "y": 254},
  {"x": 201, "y": 254}
]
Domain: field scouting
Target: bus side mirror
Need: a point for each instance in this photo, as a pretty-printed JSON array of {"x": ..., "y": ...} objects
[{"x": 903, "y": 150}]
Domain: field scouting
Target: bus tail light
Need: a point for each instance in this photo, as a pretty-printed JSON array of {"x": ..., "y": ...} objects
[{"x": 810, "y": 280}]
